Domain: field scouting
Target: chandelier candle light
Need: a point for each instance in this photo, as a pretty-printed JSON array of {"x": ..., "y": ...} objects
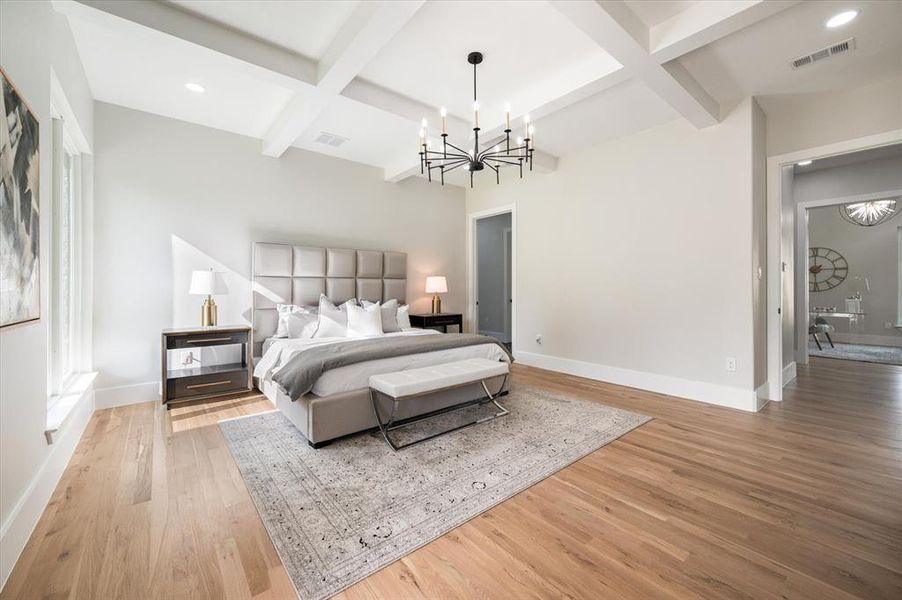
[{"x": 448, "y": 156}]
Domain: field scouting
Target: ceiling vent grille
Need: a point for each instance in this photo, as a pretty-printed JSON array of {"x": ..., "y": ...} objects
[
  {"x": 818, "y": 55},
  {"x": 330, "y": 139}
]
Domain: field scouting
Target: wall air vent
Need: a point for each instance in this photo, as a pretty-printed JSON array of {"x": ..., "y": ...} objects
[
  {"x": 330, "y": 139},
  {"x": 818, "y": 55}
]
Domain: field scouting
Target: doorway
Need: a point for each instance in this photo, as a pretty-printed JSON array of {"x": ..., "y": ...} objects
[
  {"x": 780, "y": 259},
  {"x": 851, "y": 281},
  {"x": 841, "y": 280},
  {"x": 492, "y": 274}
]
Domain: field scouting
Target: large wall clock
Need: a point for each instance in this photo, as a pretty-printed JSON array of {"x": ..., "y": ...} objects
[{"x": 827, "y": 268}]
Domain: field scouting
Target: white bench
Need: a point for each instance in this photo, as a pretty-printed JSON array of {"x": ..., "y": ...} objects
[{"x": 406, "y": 385}]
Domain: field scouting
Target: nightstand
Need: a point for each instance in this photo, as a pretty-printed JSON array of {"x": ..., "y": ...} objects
[
  {"x": 430, "y": 320},
  {"x": 207, "y": 381}
]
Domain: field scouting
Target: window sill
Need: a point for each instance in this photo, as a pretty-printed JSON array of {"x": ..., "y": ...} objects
[{"x": 60, "y": 406}]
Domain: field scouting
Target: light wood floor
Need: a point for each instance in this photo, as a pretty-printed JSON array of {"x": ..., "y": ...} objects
[{"x": 803, "y": 500}]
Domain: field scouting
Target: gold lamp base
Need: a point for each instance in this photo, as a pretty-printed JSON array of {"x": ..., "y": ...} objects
[
  {"x": 208, "y": 312},
  {"x": 436, "y": 304}
]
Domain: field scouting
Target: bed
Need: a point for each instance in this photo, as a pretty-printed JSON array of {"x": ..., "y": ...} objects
[{"x": 338, "y": 403}]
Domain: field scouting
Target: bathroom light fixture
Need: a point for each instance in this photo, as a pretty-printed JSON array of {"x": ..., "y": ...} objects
[
  {"x": 445, "y": 156},
  {"x": 841, "y": 19},
  {"x": 194, "y": 87},
  {"x": 804, "y": 163}
]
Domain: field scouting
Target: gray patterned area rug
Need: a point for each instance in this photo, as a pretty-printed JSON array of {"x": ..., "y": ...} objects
[
  {"x": 344, "y": 511},
  {"x": 887, "y": 355}
]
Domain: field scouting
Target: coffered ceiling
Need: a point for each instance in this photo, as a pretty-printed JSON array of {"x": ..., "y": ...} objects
[{"x": 586, "y": 70}]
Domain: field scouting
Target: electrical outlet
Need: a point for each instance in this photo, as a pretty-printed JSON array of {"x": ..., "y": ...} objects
[
  {"x": 539, "y": 338},
  {"x": 731, "y": 364}
]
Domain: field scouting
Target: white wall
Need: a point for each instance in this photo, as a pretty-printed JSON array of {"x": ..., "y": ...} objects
[
  {"x": 33, "y": 38},
  {"x": 171, "y": 197},
  {"x": 800, "y": 121},
  {"x": 871, "y": 251},
  {"x": 492, "y": 303},
  {"x": 634, "y": 260}
]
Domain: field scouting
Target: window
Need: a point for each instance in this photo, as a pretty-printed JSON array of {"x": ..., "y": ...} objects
[{"x": 65, "y": 271}]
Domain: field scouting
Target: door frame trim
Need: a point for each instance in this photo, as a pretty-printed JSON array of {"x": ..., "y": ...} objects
[
  {"x": 775, "y": 239},
  {"x": 507, "y": 236}
]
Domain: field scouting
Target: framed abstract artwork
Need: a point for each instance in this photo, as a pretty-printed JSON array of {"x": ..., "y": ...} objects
[{"x": 20, "y": 269}]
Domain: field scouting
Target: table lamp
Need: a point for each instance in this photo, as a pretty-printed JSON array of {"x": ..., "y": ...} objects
[
  {"x": 436, "y": 285},
  {"x": 207, "y": 283}
]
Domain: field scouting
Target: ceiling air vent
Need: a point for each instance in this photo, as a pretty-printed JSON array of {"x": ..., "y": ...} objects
[
  {"x": 838, "y": 48},
  {"x": 330, "y": 139}
]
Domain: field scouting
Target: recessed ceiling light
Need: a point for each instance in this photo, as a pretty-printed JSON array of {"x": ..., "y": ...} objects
[
  {"x": 194, "y": 87},
  {"x": 804, "y": 163},
  {"x": 842, "y": 18}
]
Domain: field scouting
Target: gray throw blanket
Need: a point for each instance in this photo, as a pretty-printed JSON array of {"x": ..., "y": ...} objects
[{"x": 299, "y": 374}]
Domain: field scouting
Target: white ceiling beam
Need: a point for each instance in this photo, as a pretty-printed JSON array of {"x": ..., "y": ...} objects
[
  {"x": 371, "y": 94},
  {"x": 367, "y": 31},
  {"x": 259, "y": 58},
  {"x": 590, "y": 89},
  {"x": 614, "y": 27},
  {"x": 706, "y": 22}
]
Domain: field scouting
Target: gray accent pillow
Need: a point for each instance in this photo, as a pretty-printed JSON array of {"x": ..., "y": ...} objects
[{"x": 389, "y": 315}]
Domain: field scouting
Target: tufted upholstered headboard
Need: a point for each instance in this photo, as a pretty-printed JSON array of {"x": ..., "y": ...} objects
[{"x": 292, "y": 274}]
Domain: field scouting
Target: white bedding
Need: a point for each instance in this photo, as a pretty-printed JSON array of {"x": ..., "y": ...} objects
[{"x": 354, "y": 377}]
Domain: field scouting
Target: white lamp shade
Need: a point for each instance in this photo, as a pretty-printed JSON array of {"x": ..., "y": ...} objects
[
  {"x": 436, "y": 285},
  {"x": 207, "y": 283}
]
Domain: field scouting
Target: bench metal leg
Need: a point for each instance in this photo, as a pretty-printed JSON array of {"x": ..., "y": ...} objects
[
  {"x": 383, "y": 427},
  {"x": 388, "y": 426}
]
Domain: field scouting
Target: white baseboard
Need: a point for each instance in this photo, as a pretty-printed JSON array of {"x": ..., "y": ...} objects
[
  {"x": 864, "y": 338},
  {"x": 27, "y": 512},
  {"x": 710, "y": 393},
  {"x": 123, "y": 395},
  {"x": 789, "y": 372}
]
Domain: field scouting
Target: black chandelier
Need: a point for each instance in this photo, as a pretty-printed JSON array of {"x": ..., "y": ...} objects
[{"x": 496, "y": 155}]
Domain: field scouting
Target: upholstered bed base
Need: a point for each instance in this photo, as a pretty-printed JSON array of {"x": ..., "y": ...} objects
[{"x": 324, "y": 418}]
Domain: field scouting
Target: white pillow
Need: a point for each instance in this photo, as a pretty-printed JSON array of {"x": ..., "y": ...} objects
[
  {"x": 296, "y": 321},
  {"x": 389, "y": 314},
  {"x": 333, "y": 320},
  {"x": 404, "y": 318},
  {"x": 364, "y": 321}
]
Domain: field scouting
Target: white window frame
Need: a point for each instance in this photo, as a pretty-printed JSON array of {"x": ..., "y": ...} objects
[
  {"x": 68, "y": 139},
  {"x": 63, "y": 368}
]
